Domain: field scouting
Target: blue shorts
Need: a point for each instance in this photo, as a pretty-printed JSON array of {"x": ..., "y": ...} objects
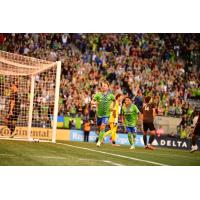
[
  {"x": 102, "y": 120},
  {"x": 131, "y": 129}
]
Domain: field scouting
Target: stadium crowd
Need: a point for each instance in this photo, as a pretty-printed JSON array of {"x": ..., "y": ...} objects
[{"x": 165, "y": 66}]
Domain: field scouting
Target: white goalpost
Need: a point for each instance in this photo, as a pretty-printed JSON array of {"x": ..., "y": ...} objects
[{"x": 35, "y": 94}]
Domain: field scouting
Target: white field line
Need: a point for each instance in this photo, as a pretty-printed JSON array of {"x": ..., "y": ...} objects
[
  {"x": 64, "y": 158},
  {"x": 116, "y": 155},
  {"x": 5, "y": 154},
  {"x": 164, "y": 154},
  {"x": 112, "y": 163},
  {"x": 105, "y": 161}
]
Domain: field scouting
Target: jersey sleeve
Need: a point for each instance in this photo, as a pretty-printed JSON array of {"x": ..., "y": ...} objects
[
  {"x": 112, "y": 97},
  {"x": 136, "y": 109},
  {"x": 96, "y": 97}
]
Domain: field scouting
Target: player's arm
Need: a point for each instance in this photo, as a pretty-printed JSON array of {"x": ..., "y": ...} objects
[
  {"x": 113, "y": 103},
  {"x": 95, "y": 100},
  {"x": 154, "y": 113},
  {"x": 122, "y": 115},
  {"x": 12, "y": 104},
  {"x": 137, "y": 111},
  {"x": 113, "y": 109}
]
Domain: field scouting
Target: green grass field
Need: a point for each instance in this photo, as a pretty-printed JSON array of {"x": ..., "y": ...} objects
[{"x": 21, "y": 153}]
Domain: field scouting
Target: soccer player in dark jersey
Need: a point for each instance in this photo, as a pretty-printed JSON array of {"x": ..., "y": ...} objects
[
  {"x": 149, "y": 113},
  {"x": 195, "y": 133},
  {"x": 14, "y": 109},
  {"x": 104, "y": 100}
]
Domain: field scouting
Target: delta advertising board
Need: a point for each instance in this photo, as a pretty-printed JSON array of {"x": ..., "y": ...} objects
[{"x": 176, "y": 143}]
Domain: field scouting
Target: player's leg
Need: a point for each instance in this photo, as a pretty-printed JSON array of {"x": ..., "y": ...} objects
[
  {"x": 133, "y": 137},
  {"x": 109, "y": 132},
  {"x": 145, "y": 129},
  {"x": 12, "y": 125},
  {"x": 14, "y": 119},
  {"x": 102, "y": 130},
  {"x": 98, "y": 128},
  {"x": 130, "y": 137},
  {"x": 152, "y": 136},
  {"x": 114, "y": 135}
]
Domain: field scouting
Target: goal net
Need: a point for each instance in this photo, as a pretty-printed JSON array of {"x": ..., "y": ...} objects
[{"x": 29, "y": 94}]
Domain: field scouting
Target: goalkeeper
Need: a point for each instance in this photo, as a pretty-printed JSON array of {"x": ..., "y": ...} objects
[
  {"x": 113, "y": 120},
  {"x": 130, "y": 114},
  {"x": 14, "y": 109}
]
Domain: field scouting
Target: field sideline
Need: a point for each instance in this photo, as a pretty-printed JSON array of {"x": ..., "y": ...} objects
[{"x": 22, "y": 153}]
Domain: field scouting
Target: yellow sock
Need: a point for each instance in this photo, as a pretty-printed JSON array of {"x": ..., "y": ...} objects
[{"x": 114, "y": 133}]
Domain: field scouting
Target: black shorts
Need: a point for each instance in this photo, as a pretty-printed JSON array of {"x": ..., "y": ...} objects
[
  {"x": 197, "y": 130},
  {"x": 148, "y": 125}
]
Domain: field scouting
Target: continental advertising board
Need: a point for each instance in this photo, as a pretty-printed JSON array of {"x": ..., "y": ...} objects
[{"x": 36, "y": 133}]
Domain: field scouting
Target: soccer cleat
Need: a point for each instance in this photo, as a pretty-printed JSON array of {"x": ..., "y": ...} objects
[
  {"x": 194, "y": 148},
  {"x": 151, "y": 147},
  {"x": 132, "y": 146},
  {"x": 146, "y": 147},
  {"x": 98, "y": 144}
]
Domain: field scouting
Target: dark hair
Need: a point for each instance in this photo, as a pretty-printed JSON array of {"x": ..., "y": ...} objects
[
  {"x": 117, "y": 96},
  {"x": 127, "y": 97},
  {"x": 147, "y": 99}
]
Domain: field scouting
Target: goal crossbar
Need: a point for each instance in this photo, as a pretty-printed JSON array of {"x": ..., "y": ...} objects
[{"x": 32, "y": 66}]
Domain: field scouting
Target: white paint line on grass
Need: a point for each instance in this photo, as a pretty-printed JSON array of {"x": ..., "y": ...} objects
[
  {"x": 105, "y": 161},
  {"x": 83, "y": 159},
  {"x": 164, "y": 154},
  {"x": 50, "y": 157},
  {"x": 116, "y": 155},
  {"x": 5, "y": 154},
  {"x": 64, "y": 158},
  {"x": 112, "y": 163}
]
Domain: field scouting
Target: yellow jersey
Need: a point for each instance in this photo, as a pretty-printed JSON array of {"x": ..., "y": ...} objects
[{"x": 114, "y": 119}]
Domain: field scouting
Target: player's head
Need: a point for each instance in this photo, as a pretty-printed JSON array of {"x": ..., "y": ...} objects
[
  {"x": 147, "y": 99},
  {"x": 127, "y": 101},
  {"x": 118, "y": 96},
  {"x": 105, "y": 86}
]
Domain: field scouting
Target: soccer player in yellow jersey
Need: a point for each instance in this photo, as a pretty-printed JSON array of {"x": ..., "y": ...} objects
[{"x": 113, "y": 120}]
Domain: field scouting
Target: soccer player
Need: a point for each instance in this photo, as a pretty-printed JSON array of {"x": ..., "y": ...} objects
[
  {"x": 130, "y": 114},
  {"x": 195, "y": 133},
  {"x": 104, "y": 100},
  {"x": 149, "y": 114},
  {"x": 113, "y": 120},
  {"x": 14, "y": 109}
]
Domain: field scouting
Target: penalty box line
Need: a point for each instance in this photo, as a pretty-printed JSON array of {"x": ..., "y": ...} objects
[{"x": 116, "y": 155}]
